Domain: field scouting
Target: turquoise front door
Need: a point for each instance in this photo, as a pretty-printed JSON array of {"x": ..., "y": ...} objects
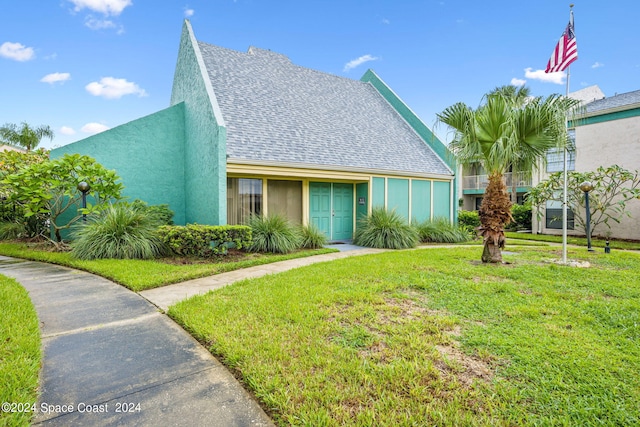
[{"x": 331, "y": 209}]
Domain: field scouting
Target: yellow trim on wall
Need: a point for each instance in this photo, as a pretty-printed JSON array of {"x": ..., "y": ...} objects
[{"x": 234, "y": 170}]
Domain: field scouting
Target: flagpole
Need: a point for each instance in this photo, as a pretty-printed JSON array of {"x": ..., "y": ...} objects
[
  {"x": 564, "y": 187},
  {"x": 564, "y": 167}
]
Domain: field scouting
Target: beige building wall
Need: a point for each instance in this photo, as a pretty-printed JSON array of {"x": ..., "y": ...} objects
[{"x": 613, "y": 142}]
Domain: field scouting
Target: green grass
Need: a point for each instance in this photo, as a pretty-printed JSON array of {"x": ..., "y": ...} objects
[
  {"x": 579, "y": 241},
  {"x": 19, "y": 351},
  {"x": 434, "y": 337},
  {"x": 139, "y": 275}
]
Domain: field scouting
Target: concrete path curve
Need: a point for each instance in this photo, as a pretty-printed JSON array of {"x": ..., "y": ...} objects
[
  {"x": 111, "y": 358},
  {"x": 166, "y": 296}
]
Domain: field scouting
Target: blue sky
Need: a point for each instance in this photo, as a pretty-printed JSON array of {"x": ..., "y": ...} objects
[{"x": 81, "y": 66}]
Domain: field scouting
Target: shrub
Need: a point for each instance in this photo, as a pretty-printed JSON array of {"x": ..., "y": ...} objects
[
  {"x": 163, "y": 214},
  {"x": 312, "y": 237},
  {"x": 11, "y": 230},
  {"x": 521, "y": 217},
  {"x": 469, "y": 220},
  {"x": 441, "y": 230},
  {"x": 273, "y": 233},
  {"x": 204, "y": 240},
  {"x": 120, "y": 231},
  {"x": 385, "y": 229}
]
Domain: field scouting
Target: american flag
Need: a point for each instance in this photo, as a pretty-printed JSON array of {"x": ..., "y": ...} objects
[{"x": 566, "y": 50}]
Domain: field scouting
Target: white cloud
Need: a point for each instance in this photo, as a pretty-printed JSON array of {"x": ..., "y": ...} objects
[
  {"x": 16, "y": 51},
  {"x": 518, "y": 82},
  {"x": 66, "y": 130},
  {"x": 112, "y": 88},
  {"x": 386, "y": 21},
  {"x": 106, "y": 7},
  {"x": 359, "y": 61},
  {"x": 188, "y": 12},
  {"x": 98, "y": 24},
  {"x": 597, "y": 65},
  {"x": 55, "y": 77},
  {"x": 557, "y": 78},
  {"x": 94, "y": 128}
]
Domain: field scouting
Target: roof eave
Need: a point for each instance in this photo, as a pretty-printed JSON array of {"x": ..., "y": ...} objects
[{"x": 337, "y": 168}]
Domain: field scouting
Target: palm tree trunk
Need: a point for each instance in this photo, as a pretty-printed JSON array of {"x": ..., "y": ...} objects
[{"x": 495, "y": 213}]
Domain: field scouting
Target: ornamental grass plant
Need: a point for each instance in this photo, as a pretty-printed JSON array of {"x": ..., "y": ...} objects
[
  {"x": 385, "y": 229},
  {"x": 312, "y": 237},
  {"x": 441, "y": 230},
  {"x": 273, "y": 233},
  {"x": 121, "y": 231}
]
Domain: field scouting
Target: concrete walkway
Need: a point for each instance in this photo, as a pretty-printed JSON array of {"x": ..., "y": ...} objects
[
  {"x": 107, "y": 349},
  {"x": 166, "y": 296}
]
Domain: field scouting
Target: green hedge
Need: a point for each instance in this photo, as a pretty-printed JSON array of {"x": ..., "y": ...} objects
[
  {"x": 205, "y": 240},
  {"x": 521, "y": 217},
  {"x": 469, "y": 220}
]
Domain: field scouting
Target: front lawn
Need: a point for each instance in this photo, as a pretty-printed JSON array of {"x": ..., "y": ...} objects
[
  {"x": 434, "y": 337},
  {"x": 19, "y": 354},
  {"x": 139, "y": 275}
]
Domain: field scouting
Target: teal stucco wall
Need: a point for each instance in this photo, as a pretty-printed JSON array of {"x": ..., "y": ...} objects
[
  {"x": 147, "y": 154},
  {"x": 205, "y": 176},
  {"x": 398, "y": 196},
  {"x": 378, "y": 192},
  {"x": 420, "y": 200},
  {"x": 362, "y": 192},
  {"x": 441, "y": 199}
]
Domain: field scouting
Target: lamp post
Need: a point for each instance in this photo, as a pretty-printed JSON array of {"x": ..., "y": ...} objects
[
  {"x": 84, "y": 188},
  {"x": 587, "y": 187}
]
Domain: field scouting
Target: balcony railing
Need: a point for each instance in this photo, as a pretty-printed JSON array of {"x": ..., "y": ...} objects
[{"x": 480, "y": 182}]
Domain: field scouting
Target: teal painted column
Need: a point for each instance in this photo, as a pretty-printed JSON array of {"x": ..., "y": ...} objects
[{"x": 205, "y": 160}]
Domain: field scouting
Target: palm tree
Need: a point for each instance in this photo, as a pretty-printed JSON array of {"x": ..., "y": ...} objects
[
  {"x": 498, "y": 134},
  {"x": 518, "y": 96},
  {"x": 24, "y": 136}
]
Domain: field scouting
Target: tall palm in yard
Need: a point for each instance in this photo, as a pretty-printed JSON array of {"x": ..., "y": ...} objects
[
  {"x": 24, "y": 136},
  {"x": 498, "y": 134},
  {"x": 517, "y": 96}
]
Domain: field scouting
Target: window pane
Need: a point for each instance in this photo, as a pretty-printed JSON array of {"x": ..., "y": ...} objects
[
  {"x": 554, "y": 219},
  {"x": 555, "y": 160},
  {"x": 244, "y": 197},
  {"x": 285, "y": 198}
]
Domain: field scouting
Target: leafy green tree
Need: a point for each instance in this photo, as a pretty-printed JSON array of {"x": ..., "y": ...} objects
[
  {"x": 613, "y": 187},
  {"x": 498, "y": 134},
  {"x": 51, "y": 188},
  {"x": 11, "y": 214},
  {"x": 24, "y": 136}
]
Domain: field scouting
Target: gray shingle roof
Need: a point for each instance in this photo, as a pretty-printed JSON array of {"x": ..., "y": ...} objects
[
  {"x": 277, "y": 111},
  {"x": 616, "y": 101}
]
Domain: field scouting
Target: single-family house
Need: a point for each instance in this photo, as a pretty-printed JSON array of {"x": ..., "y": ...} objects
[{"x": 253, "y": 133}]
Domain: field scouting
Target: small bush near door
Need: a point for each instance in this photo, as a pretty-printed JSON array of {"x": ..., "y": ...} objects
[
  {"x": 385, "y": 229},
  {"x": 312, "y": 237},
  {"x": 273, "y": 233}
]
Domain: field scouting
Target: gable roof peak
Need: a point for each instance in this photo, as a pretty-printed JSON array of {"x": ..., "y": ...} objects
[{"x": 268, "y": 55}]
